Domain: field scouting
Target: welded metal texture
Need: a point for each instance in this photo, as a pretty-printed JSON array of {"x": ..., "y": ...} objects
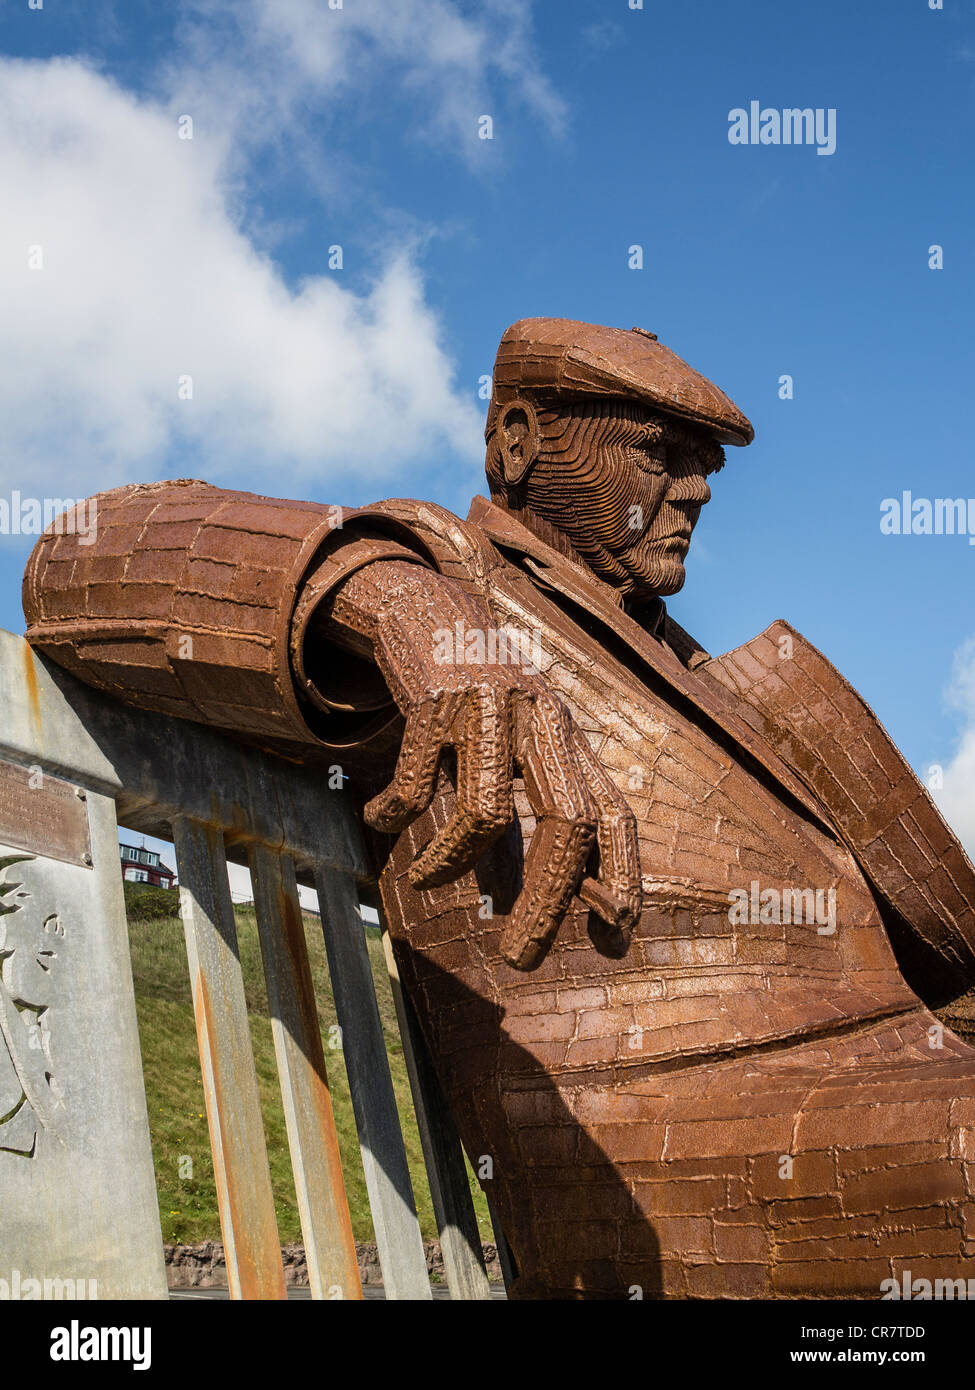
[
  {"x": 732, "y": 1109},
  {"x": 182, "y": 603},
  {"x": 586, "y": 850},
  {"x": 588, "y": 360},
  {"x": 877, "y": 802}
]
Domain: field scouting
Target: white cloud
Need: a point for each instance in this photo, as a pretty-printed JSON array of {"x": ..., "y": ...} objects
[
  {"x": 147, "y": 276},
  {"x": 956, "y": 800},
  {"x": 298, "y": 62},
  {"x": 153, "y": 259}
]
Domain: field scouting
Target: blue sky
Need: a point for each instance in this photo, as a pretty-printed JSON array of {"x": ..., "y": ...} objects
[{"x": 357, "y": 127}]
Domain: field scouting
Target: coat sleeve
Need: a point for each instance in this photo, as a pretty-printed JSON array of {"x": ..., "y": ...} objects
[{"x": 182, "y": 600}]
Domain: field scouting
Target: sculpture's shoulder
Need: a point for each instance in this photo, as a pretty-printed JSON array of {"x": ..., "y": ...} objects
[
  {"x": 794, "y": 697},
  {"x": 782, "y": 678},
  {"x": 458, "y": 549}
]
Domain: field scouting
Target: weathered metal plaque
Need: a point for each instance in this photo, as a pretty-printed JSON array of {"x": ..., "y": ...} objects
[{"x": 43, "y": 814}]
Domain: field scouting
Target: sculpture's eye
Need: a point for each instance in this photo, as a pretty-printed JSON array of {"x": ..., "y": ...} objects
[{"x": 651, "y": 456}]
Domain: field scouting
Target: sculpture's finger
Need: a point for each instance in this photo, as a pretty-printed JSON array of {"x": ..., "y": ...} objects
[
  {"x": 485, "y": 804},
  {"x": 556, "y": 787},
  {"x": 617, "y": 895},
  {"x": 428, "y": 727}
]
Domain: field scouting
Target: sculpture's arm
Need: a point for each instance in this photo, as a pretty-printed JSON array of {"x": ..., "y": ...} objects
[
  {"x": 497, "y": 717},
  {"x": 225, "y": 608}
]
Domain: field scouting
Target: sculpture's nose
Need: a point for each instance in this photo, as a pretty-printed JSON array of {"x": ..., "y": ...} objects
[{"x": 690, "y": 491}]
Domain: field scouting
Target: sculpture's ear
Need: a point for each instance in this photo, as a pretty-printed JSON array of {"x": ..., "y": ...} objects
[{"x": 518, "y": 440}]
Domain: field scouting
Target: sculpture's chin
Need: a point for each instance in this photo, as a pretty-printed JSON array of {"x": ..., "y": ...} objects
[
  {"x": 659, "y": 577},
  {"x": 673, "y": 581}
]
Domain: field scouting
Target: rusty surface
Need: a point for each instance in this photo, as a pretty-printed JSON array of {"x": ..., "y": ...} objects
[
  {"x": 33, "y": 694},
  {"x": 43, "y": 814},
  {"x": 586, "y": 361},
  {"x": 249, "y": 1276},
  {"x": 241, "y": 1172},
  {"x": 911, "y": 856},
  {"x": 183, "y": 603},
  {"x": 671, "y": 1096},
  {"x": 323, "y": 1206}
]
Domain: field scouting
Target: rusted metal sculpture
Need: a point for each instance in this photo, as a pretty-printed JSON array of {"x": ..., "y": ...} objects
[{"x": 667, "y": 920}]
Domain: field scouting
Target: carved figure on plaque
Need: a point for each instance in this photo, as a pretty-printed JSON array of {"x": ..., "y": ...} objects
[{"x": 29, "y": 940}]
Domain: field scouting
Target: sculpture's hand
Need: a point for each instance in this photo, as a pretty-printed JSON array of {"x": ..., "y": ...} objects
[{"x": 497, "y": 718}]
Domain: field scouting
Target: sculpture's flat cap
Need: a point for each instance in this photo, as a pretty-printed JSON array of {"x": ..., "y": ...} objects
[{"x": 565, "y": 358}]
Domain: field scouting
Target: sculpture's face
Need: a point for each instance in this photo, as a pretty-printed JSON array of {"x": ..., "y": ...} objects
[
  {"x": 626, "y": 486},
  {"x": 649, "y": 488}
]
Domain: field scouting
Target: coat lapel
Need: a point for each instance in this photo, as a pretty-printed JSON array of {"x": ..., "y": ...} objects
[{"x": 550, "y": 570}]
